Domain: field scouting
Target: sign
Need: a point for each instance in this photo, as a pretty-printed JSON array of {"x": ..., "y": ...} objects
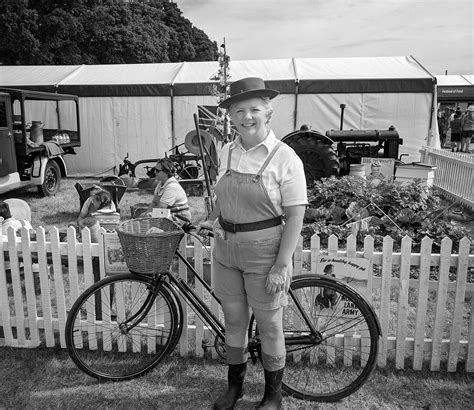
[
  {"x": 342, "y": 267},
  {"x": 113, "y": 254},
  {"x": 378, "y": 169},
  {"x": 455, "y": 93},
  {"x": 336, "y": 306}
]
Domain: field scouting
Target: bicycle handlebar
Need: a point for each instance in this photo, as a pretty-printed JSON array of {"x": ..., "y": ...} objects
[{"x": 188, "y": 226}]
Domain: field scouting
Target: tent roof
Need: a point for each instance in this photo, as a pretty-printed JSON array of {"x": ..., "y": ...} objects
[
  {"x": 448, "y": 80},
  {"x": 455, "y": 87},
  {"x": 35, "y": 76},
  {"x": 311, "y": 75}
]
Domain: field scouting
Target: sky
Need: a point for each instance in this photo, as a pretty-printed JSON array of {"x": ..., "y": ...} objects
[{"x": 438, "y": 33}]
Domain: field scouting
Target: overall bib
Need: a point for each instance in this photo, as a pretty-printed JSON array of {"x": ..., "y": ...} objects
[{"x": 244, "y": 258}]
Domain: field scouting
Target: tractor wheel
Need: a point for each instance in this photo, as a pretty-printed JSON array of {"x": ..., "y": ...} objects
[
  {"x": 52, "y": 180},
  {"x": 319, "y": 159}
]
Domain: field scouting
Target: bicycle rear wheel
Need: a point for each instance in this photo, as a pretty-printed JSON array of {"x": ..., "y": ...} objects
[
  {"x": 107, "y": 341},
  {"x": 341, "y": 350},
  {"x": 331, "y": 338}
]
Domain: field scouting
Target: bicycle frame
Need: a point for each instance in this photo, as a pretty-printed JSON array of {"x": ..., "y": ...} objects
[{"x": 311, "y": 337}]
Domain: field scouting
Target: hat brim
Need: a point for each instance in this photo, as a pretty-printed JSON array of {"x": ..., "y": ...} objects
[{"x": 246, "y": 95}]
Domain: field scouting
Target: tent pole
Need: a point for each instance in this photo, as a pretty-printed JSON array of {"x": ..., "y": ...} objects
[
  {"x": 173, "y": 138},
  {"x": 295, "y": 115}
]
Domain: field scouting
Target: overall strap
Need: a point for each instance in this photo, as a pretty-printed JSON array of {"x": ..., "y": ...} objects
[
  {"x": 269, "y": 158},
  {"x": 229, "y": 157}
]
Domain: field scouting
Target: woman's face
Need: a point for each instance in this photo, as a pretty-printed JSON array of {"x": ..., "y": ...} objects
[
  {"x": 160, "y": 175},
  {"x": 250, "y": 118}
]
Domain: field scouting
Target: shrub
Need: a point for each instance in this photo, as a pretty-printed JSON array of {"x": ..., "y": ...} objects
[{"x": 346, "y": 205}]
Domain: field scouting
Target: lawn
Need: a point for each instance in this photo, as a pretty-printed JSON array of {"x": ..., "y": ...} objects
[
  {"x": 63, "y": 208},
  {"x": 47, "y": 378}
]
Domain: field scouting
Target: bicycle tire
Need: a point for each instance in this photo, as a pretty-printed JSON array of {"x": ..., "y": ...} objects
[
  {"x": 97, "y": 341},
  {"x": 341, "y": 361}
]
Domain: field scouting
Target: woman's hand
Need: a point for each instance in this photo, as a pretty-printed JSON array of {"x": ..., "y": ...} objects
[
  {"x": 205, "y": 225},
  {"x": 276, "y": 279}
]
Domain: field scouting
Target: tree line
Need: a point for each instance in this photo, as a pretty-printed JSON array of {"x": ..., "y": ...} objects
[{"x": 70, "y": 32}]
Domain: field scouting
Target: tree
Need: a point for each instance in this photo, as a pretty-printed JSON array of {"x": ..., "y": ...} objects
[
  {"x": 99, "y": 32},
  {"x": 20, "y": 26}
]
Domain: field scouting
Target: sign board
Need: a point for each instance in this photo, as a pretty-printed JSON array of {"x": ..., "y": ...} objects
[
  {"x": 332, "y": 305},
  {"x": 378, "y": 169},
  {"x": 113, "y": 254},
  {"x": 344, "y": 268}
]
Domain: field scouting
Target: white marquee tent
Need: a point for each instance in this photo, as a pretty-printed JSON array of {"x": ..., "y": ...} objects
[
  {"x": 458, "y": 89},
  {"x": 146, "y": 109}
]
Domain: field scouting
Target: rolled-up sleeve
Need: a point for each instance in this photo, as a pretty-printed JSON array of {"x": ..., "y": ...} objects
[{"x": 293, "y": 183}]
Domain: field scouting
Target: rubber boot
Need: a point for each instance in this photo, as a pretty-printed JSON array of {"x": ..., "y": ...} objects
[
  {"x": 235, "y": 380},
  {"x": 272, "y": 398}
]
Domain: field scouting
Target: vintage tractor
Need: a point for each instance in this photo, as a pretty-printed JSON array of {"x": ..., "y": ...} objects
[{"x": 332, "y": 154}]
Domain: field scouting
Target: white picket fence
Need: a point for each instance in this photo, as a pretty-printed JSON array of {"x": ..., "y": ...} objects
[
  {"x": 454, "y": 173},
  {"x": 425, "y": 321}
]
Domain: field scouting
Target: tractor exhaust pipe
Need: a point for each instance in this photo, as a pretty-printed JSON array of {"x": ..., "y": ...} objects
[{"x": 342, "y": 115}]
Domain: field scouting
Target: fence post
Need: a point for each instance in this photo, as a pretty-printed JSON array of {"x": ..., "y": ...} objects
[
  {"x": 422, "y": 303},
  {"x": 441, "y": 296},
  {"x": 461, "y": 276},
  {"x": 384, "y": 314}
]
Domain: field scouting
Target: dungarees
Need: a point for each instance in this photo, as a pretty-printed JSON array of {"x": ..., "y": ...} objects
[{"x": 243, "y": 259}]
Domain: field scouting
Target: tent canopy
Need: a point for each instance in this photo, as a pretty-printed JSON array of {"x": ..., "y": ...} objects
[
  {"x": 455, "y": 87},
  {"x": 147, "y": 109}
]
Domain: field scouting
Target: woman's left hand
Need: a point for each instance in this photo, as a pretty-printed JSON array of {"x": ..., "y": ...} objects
[{"x": 276, "y": 279}]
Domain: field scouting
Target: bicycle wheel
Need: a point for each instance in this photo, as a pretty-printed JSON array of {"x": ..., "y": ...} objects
[
  {"x": 331, "y": 338},
  {"x": 119, "y": 329}
]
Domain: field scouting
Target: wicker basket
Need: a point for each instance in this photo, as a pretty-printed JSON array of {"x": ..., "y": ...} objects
[{"x": 152, "y": 252}]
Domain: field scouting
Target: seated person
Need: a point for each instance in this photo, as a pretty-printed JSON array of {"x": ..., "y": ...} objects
[
  {"x": 169, "y": 193},
  {"x": 8, "y": 220},
  {"x": 99, "y": 199}
]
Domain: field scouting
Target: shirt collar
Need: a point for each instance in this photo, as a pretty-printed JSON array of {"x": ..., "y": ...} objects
[{"x": 268, "y": 143}]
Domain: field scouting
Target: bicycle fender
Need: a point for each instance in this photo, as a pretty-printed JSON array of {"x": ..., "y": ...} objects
[{"x": 325, "y": 278}]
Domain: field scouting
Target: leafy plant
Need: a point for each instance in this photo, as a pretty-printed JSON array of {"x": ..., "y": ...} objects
[{"x": 346, "y": 205}]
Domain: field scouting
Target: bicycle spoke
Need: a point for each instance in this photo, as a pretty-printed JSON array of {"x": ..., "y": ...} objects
[
  {"x": 334, "y": 360},
  {"x": 116, "y": 332}
]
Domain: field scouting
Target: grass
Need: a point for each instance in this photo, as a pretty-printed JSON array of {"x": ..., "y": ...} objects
[
  {"x": 63, "y": 208},
  {"x": 47, "y": 378}
]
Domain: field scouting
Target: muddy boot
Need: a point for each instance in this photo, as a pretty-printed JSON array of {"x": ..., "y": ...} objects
[
  {"x": 235, "y": 378},
  {"x": 272, "y": 398}
]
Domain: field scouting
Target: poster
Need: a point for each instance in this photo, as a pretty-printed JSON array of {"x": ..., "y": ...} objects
[
  {"x": 343, "y": 268},
  {"x": 378, "y": 169},
  {"x": 114, "y": 257},
  {"x": 353, "y": 270}
]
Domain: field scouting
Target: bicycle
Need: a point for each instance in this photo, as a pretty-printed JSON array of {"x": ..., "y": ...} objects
[{"x": 124, "y": 325}]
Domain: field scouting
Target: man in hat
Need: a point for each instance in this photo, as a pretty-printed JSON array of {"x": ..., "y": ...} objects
[{"x": 261, "y": 199}]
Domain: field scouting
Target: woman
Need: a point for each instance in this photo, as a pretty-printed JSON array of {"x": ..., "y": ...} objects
[
  {"x": 99, "y": 199},
  {"x": 467, "y": 128},
  {"x": 261, "y": 199},
  {"x": 169, "y": 194}
]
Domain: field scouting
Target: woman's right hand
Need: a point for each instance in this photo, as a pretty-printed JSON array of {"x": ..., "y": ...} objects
[{"x": 208, "y": 225}]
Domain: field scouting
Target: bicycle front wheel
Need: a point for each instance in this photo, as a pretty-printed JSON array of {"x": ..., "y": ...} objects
[
  {"x": 331, "y": 337},
  {"x": 120, "y": 328}
]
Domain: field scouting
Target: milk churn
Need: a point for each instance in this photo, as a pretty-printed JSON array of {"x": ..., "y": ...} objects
[{"x": 36, "y": 131}]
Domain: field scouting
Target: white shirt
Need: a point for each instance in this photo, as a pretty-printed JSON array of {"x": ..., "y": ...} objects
[
  {"x": 171, "y": 192},
  {"x": 283, "y": 177}
]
